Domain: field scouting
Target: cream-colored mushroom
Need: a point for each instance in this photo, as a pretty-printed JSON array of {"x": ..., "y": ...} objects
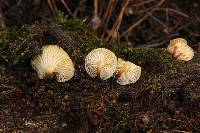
[
  {"x": 127, "y": 72},
  {"x": 101, "y": 62},
  {"x": 53, "y": 61},
  {"x": 180, "y": 50}
]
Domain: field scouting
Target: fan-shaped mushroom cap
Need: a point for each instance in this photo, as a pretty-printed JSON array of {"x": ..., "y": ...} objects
[
  {"x": 53, "y": 60},
  {"x": 127, "y": 72},
  {"x": 101, "y": 62},
  {"x": 179, "y": 49}
]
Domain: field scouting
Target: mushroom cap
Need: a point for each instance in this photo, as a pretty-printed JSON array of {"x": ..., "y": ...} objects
[
  {"x": 101, "y": 62},
  {"x": 127, "y": 72},
  {"x": 177, "y": 42},
  {"x": 53, "y": 60},
  {"x": 179, "y": 49},
  {"x": 184, "y": 53}
]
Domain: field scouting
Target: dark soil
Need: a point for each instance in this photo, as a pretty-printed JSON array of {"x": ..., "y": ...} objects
[
  {"x": 165, "y": 100},
  {"x": 88, "y": 105}
]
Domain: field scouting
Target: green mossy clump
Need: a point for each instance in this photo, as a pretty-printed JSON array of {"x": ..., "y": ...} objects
[
  {"x": 18, "y": 45},
  {"x": 152, "y": 59}
]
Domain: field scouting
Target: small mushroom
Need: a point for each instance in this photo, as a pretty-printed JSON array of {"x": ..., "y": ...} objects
[
  {"x": 101, "y": 63},
  {"x": 53, "y": 61},
  {"x": 127, "y": 72},
  {"x": 180, "y": 50}
]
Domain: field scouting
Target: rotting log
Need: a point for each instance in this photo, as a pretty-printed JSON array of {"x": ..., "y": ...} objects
[{"x": 165, "y": 84}]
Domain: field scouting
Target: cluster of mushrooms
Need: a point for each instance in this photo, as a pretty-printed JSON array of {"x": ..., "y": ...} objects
[{"x": 100, "y": 62}]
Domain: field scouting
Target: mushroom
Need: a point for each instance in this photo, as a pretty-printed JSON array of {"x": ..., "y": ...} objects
[
  {"x": 127, "y": 72},
  {"x": 53, "y": 61},
  {"x": 180, "y": 50},
  {"x": 101, "y": 62}
]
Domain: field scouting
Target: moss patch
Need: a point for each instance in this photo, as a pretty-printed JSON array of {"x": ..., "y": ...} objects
[
  {"x": 17, "y": 45},
  {"x": 77, "y": 39},
  {"x": 152, "y": 59}
]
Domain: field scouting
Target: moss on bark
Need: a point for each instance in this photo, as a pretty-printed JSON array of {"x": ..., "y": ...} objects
[
  {"x": 75, "y": 37},
  {"x": 91, "y": 104},
  {"x": 18, "y": 45}
]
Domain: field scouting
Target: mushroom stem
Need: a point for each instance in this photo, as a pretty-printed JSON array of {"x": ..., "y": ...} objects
[
  {"x": 100, "y": 65},
  {"x": 50, "y": 71},
  {"x": 122, "y": 69},
  {"x": 119, "y": 72}
]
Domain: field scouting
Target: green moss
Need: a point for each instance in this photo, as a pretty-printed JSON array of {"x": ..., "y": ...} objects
[
  {"x": 152, "y": 59},
  {"x": 17, "y": 45}
]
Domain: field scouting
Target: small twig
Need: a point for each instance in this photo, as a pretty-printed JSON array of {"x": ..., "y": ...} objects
[
  {"x": 174, "y": 11},
  {"x": 167, "y": 15},
  {"x": 179, "y": 131},
  {"x": 159, "y": 21},
  {"x": 107, "y": 16},
  {"x": 142, "y": 19},
  {"x": 118, "y": 21},
  {"x": 95, "y": 7},
  {"x": 96, "y": 21},
  {"x": 67, "y": 8},
  {"x": 101, "y": 8},
  {"x": 108, "y": 11},
  {"x": 158, "y": 42},
  {"x": 142, "y": 3},
  {"x": 196, "y": 34},
  {"x": 182, "y": 27},
  {"x": 153, "y": 45},
  {"x": 45, "y": 116},
  {"x": 52, "y": 7},
  {"x": 78, "y": 8}
]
